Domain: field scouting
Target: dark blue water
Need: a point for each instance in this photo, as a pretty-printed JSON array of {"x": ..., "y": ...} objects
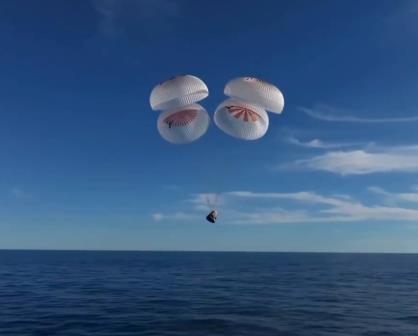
[{"x": 169, "y": 293}]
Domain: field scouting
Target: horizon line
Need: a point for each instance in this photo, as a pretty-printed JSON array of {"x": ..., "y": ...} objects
[{"x": 197, "y": 251}]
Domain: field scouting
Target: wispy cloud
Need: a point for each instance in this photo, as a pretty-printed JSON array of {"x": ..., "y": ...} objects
[
  {"x": 116, "y": 16},
  {"x": 269, "y": 217},
  {"x": 396, "y": 197},
  {"x": 176, "y": 216},
  {"x": 328, "y": 113},
  {"x": 363, "y": 161},
  {"x": 333, "y": 209},
  {"x": 299, "y": 207},
  {"x": 157, "y": 216},
  {"x": 302, "y": 196},
  {"x": 319, "y": 144}
]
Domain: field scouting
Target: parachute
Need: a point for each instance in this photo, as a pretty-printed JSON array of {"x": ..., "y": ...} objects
[
  {"x": 241, "y": 120},
  {"x": 177, "y": 92},
  {"x": 182, "y": 120},
  {"x": 183, "y": 124},
  {"x": 243, "y": 115},
  {"x": 257, "y": 92}
]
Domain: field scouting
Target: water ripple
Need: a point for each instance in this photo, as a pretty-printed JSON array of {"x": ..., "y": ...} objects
[{"x": 145, "y": 293}]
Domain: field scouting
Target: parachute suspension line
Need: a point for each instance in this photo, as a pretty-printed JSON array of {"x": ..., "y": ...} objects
[
  {"x": 207, "y": 200},
  {"x": 211, "y": 200}
]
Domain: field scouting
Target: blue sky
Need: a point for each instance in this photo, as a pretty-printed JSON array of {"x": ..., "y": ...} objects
[{"x": 83, "y": 166}]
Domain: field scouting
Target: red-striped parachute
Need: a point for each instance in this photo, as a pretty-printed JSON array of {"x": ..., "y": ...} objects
[{"x": 182, "y": 120}]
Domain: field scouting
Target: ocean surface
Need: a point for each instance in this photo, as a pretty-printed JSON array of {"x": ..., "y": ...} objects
[{"x": 181, "y": 293}]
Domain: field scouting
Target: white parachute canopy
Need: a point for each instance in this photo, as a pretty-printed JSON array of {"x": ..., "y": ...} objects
[
  {"x": 241, "y": 119},
  {"x": 257, "y": 92},
  {"x": 178, "y": 91},
  {"x": 183, "y": 124}
]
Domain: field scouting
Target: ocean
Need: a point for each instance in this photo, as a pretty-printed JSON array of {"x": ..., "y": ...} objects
[{"x": 200, "y": 293}]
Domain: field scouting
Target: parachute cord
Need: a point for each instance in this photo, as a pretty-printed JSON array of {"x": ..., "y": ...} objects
[
  {"x": 207, "y": 200},
  {"x": 212, "y": 202}
]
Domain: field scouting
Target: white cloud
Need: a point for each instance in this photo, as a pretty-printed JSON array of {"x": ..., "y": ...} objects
[
  {"x": 363, "y": 161},
  {"x": 318, "y": 144},
  {"x": 398, "y": 197},
  {"x": 360, "y": 212},
  {"x": 328, "y": 113},
  {"x": 334, "y": 209},
  {"x": 303, "y": 196},
  {"x": 322, "y": 209},
  {"x": 176, "y": 216},
  {"x": 157, "y": 216},
  {"x": 268, "y": 217},
  {"x": 377, "y": 190}
]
